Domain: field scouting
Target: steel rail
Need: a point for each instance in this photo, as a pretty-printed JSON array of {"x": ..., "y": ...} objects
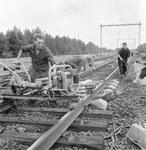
[
  {"x": 10, "y": 104},
  {"x": 20, "y": 72},
  {"x": 5, "y": 81},
  {"x": 104, "y": 58},
  {"x": 97, "y": 67},
  {"x": 50, "y": 137}
]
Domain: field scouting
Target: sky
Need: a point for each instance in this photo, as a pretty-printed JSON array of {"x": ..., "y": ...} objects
[{"x": 80, "y": 19}]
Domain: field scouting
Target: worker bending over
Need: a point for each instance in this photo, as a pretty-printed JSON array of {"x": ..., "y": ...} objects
[
  {"x": 77, "y": 62},
  {"x": 40, "y": 57}
]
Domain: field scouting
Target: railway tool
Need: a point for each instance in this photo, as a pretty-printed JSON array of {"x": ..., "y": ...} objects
[
  {"x": 61, "y": 84},
  {"x": 122, "y": 59},
  {"x": 120, "y": 90}
]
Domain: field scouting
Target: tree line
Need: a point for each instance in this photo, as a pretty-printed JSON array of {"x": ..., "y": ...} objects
[{"x": 12, "y": 41}]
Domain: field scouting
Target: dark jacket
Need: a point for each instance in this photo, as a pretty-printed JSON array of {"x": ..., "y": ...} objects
[
  {"x": 77, "y": 62},
  {"x": 40, "y": 61},
  {"x": 124, "y": 53}
]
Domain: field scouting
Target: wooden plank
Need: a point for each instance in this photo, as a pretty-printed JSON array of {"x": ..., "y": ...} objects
[
  {"x": 4, "y": 82},
  {"x": 92, "y": 126},
  {"x": 62, "y": 111},
  {"x": 83, "y": 141},
  {"x": 6, "y": 106},
  {"x": 23, "y": 97},
  {"x": 80, "y": 141},
  {"x": 98, "y": 114}
]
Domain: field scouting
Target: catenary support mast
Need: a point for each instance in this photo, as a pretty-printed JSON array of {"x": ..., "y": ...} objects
[{"x": 128, "y": 24}]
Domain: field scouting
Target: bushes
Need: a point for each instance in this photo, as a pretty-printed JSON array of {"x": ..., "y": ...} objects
[{"x": 13, "y": 40}]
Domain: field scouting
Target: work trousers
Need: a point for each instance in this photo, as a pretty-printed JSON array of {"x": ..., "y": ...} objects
[
  {"x": 36, "y": 73},
  {"x": 122, "y": 67}
]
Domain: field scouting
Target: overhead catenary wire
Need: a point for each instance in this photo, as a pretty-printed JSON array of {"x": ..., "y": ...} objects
[
  {"x": 118, "y": 11},
  {"x": 95, "y": 15},
  {"x": 86, "y": 15},
  {"x": 88, "y": 9},
  {"x": 121, "y": 14},
  {"x": 69, "y": 4},
  {"x": 73, "y": 7},
  {"x": 136, "y": 9},
  {"x": 121, "y": 10},
  {"x": 121, "y": 30},
  {"x": 110, "y": 33},
  {"x": 121, "y": 17}
]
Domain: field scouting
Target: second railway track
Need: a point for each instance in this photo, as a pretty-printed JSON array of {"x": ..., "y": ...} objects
[{"x": 72, "y": 122}]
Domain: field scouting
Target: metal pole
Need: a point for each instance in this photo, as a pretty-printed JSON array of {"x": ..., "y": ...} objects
[
  {"x": 135, "y": 43},
  {"x": 117, "y": 43},
  {"x": 139, "y": 33},
  {"x": 128, "y": 24},
  {"x": 101, "y": 36}
]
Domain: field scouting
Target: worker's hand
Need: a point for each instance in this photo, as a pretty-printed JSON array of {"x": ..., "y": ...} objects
[
  {"x": 54, "y": 70},
  {"x": 93, "y": 67}
]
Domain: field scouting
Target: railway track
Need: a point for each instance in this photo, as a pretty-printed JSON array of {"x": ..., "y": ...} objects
[
  {"x": 73, "y": 121},
  {"x": 4, "y": 79}
]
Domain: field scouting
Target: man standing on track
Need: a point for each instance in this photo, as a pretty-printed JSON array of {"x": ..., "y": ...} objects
[
  {"x": 40, "y": 57},
  {"x": 77, "y": 62},
  {"x": 123, "y": 55}
]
